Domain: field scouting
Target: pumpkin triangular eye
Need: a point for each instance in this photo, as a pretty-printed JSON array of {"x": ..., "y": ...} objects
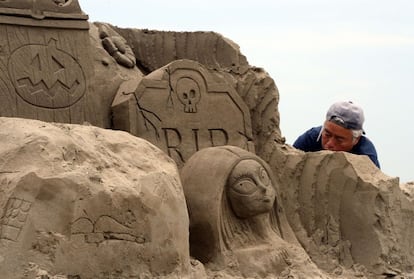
[
  {"x": 56, "y": 65},
  {"x": 36, "y": 63}
]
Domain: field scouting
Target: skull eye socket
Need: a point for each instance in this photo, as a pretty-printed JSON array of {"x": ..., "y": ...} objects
[{"x": 192, "y": 93}]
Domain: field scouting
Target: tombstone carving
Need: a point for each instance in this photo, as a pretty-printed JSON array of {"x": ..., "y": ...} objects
[{"x": 181, "y": 108}]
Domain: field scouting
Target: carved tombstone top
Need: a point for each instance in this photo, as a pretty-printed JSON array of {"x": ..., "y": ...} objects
[
  {"x": 183, "y": 108},
  {"x": 64, "y": 13}
]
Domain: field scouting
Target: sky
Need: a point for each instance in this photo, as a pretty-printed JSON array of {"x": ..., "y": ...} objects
[{"x": 318, "y": 52}]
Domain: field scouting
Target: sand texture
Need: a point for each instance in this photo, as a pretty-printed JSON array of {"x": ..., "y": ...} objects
[{"x": 135, "y": 153}]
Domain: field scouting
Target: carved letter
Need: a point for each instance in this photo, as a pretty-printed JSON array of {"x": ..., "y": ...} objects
[
  {"x": 214, "y": 137},
  {"x": 195, "y": 132},
  {"x": 173, "y": 141}
]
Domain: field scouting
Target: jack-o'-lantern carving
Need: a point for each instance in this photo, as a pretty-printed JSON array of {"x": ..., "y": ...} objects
[{"x": 45, "y": 76}]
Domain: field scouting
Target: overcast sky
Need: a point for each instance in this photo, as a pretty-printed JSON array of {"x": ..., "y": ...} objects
[{"x": 317, "y": 51}]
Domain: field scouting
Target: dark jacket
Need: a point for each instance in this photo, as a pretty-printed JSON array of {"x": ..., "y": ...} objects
[{"x": 309, "y": 142}]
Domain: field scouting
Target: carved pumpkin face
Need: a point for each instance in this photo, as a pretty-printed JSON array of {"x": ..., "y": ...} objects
[{"x": 45, "y": 76}]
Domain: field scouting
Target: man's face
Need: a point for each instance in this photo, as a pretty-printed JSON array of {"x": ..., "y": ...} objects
[{"x": 337, "y": 138}]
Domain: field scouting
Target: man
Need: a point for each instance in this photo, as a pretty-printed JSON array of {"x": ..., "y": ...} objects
[{"x": 342, "y": 131}]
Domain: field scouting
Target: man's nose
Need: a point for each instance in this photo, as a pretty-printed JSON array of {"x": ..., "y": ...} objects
[{"x": 330, "y": 144}]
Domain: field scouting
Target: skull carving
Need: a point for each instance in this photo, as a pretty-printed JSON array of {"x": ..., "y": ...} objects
[
  {"x": 188, "y": 93},
  {"x": 62, "y": 3}
]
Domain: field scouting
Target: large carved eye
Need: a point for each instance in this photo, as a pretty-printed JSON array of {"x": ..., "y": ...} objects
[
  {"x": 244, "y": 186},
  {"x": 264, "y": 177}
]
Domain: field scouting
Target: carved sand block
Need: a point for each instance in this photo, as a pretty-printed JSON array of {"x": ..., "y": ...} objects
[
  {"x": 354, "y": 211},
  {"x": 183, "y": 108},
  {"x": 86, "y": 207},
  {"x": 51, "y": 222},
  {"x": 45, "y": 66},
  {"x": 236, "y": 216}
]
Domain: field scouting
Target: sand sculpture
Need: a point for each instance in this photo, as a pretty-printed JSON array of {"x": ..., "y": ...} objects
[
  {"x": 236, "y": 216},
  {"x": 162, "y": 198}
]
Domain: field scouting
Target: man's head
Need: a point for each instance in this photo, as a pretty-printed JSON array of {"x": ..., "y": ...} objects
[{"x": 343, "y": 126}]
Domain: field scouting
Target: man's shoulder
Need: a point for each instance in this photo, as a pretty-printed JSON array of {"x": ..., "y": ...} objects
[
  {"x": 308, "y": 141},
  {"x": 365, "y": 147},
  {"x": 366, "y": 142},
  {"x": 315, "y": 130}
]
